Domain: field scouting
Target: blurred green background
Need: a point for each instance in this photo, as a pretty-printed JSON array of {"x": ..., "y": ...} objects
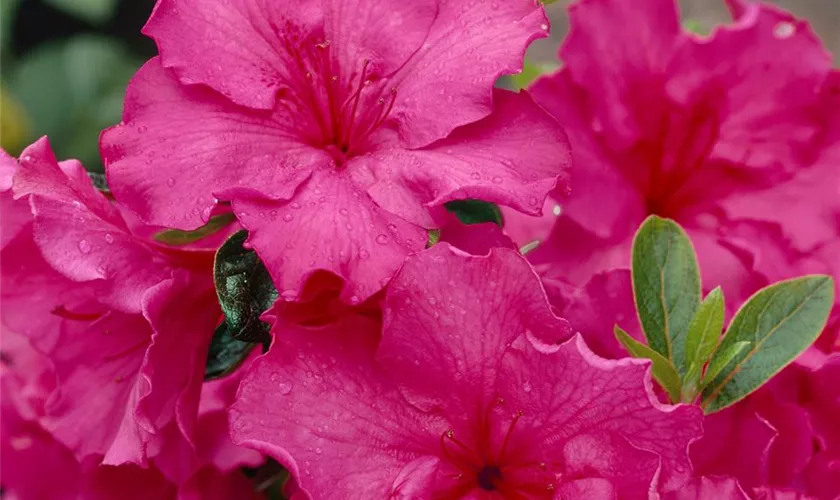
[{"x": 64, "y": 64}]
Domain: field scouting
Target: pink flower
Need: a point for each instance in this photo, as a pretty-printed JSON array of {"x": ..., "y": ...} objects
[
  {"x": 125, "y": 323},
  {"x": 715, "y": 132},
  {"x": 336, "y": 137},
  {"x": 468, "y": 394}
]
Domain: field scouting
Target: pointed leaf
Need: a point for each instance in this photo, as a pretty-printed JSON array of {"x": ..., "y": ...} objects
[
  {"x": 666, "y": 286},
  {"x": 662, "y": 369},
  {"x": 226, "y": 353},
  {"x": 779, "y": 322},
  {"x": 176, "y": 237},
  {"x": 244, "y": 288},
  {"x": 434, "y": 238},
  {"x": 704, "y": 331},
  {"x": 475, "y": 211}
]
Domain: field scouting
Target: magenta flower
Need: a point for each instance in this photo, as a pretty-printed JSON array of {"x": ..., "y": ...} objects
[
  {"x": 715, "y": 132},
  {"x": 124, "y": 323},
  {"x": 463, "y": 397},
  {"x": 336, "y": 137}
]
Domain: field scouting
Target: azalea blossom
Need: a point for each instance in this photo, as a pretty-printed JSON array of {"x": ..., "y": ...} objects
[
  {"x": 337, "y": 138},
  {"x": 476, "y": 388},
  {"x": 124, "y": 323},
  {"x": 733, "y": 135}
]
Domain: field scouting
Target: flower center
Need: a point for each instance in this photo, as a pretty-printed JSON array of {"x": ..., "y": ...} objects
[
  {"x": 494, "y": 465},
  {"x": 489, "y": 477},
  {"x": 334, "y": 109}
]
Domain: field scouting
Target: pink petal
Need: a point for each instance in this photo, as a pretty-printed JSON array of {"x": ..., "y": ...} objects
[
  {"x": 627, "y": 106},
  {"x": 467, "y": 48},
  {"x": 707, "y": 487},
  {"x": 475, "y": 239},
  {"x": 331, "y": 224},
  {"x": 97, "y": 365},
  {"x": 173, "y": 368},
  {"x": 603, "y": 200},
  {"x": 301, "y": 404},
  {"x": 768, "y": 69},
  {"x": 459, "y": 313},
  {"x": 606, "y": 301},
  {"x": 485, "y": 160},
  {"x": 612, "y": 397},
  {"x": 220, "y": 147},
  {"x": 82, "y": 235}
]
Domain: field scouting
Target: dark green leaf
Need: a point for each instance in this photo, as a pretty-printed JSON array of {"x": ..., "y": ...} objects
[
  {"x": 530, "y": 72},
  {"x": 176, "y": 237},
  {"x": 226, "y": 353},
  {"x": 99, "y": 181},
  {"x": 244, "y": 288},
  {"x": 476, "y": 211},
  {"x": 666, "y": 286},
  {"x": 779, "y": 322},
  {"x": 704, "y": 332},
  {"x": 662, "y": 369}
]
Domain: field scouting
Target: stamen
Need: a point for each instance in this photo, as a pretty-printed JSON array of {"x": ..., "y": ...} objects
[
  {"x": 516, "y": 418},
  {"x": 450, "y": 435},
  {"x": 357, "y": 96}
]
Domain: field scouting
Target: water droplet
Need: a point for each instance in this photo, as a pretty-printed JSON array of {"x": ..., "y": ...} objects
[
  {"x": 557, "y": 210},
  {"x": 109, "y": 238},
  {"x": 526, "y": 387},
  {"x": 544, "y": 27},
  {"x": 284, "y": 388},
  {"x": 342, "y": 211},
  {"x": 288, "y": 217},
  {"x": 382, "y": 239},
  {"x": 170, "y": 181},
  {"x": 295, "y": 205},
  {"x": 475, "y": 176},
  {"x": 84, "y": 246},
  {"x": 497, "y": 180},
  {"x": 364, "y": 254},
  {"x": 784, "y": 30},
  {"x": 142, "y": 128}
]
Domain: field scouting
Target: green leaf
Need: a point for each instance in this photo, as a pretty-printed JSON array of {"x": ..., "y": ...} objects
[
  {"x": 720, "y": 362},
  {"x": 73, "y": 89},
  {"x": 434, "y": 237},
  {"x": 92, "y": 11},
  {"x": 696, "y": 27},
  {"x": 476, "y": 211},
  {"x": 779, "y": 322},
  {"x": 666, "y": 286},
  {"x": 176, "y": 237},
  {"x": 244, "y": 288},
  {"x": 704, "y": 332},
  {"x": 530, "y": 72},
  {"x": 662, "y": 369},
  {"x": 226, "y": 353}
]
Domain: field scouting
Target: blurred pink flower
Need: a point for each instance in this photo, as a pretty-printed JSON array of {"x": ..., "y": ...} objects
[
  {"x": 736, "y": 136},
  {"x": 336, "y": 137},
  {"x": 469, "y": 392}
]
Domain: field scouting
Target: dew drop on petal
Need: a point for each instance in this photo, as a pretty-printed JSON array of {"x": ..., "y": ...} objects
[
  {"x": 784, "y": 30},
  {"x": 497, "y": 180},
  {"x": 288, "y": 217},
  {"x": 84, "y": 246},
  {"x": 170, "y": 181},
  {"x": 109, "y": 238},
  {"x": 382, "y": 239},
  {"x": 284, "y": 388}
]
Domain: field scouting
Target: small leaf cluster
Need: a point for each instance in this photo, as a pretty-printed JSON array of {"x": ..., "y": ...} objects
[{"x": 693, "y": 358}]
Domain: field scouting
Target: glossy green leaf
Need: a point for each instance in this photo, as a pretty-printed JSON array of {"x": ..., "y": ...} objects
[
  {"x": 704, "y": 332},
  {"x": 779, "y": 322},
  {"x": 662, "y": 369},
  {"x": 666, "y": 286},
  {"x": 93, "y": 11},
  {"x": 530, "y": 72},
  {"x": 244, "y": 288},
  {"x": 176, "y": 237},
  {"x": 226, "y": 353},
  {"x": 476, "y": 211}
]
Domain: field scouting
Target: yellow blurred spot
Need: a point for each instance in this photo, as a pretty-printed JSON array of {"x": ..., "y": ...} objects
[{"x": 14, "y": 123}]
